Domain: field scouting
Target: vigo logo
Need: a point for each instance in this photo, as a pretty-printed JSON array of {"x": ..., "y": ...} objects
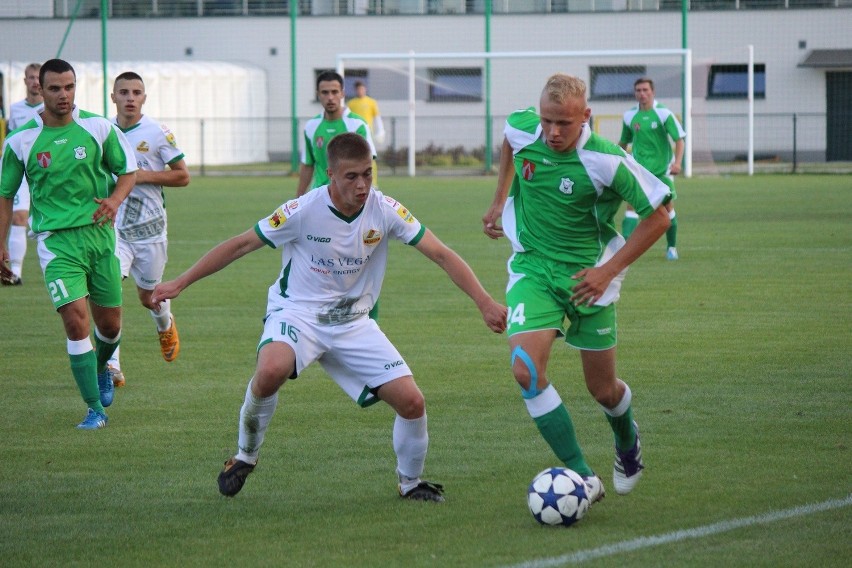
[
  {"x": 389, "y": 366},
  {"x": 319, "y": 239}
]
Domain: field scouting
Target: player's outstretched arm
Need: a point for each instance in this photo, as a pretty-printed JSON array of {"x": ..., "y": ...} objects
[
  {"x": 505, "y": 175},
  {"x": 215, "y": 260},
  {"x": 462, "y": 276}
]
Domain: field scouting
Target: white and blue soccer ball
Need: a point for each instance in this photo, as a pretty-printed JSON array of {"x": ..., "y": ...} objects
[{"x": 557, "y": 496}]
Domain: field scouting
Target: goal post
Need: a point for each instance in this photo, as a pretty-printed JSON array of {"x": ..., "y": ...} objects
[{"x": 614, "y": 96}]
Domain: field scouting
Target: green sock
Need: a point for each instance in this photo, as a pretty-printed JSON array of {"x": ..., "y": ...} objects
[
  {"x": 104, "y": 351},
  {"x": 84, "y": 369},
  {"x": 558, "y": 431},
  {"x": 622, "y": 427},
  {"x": 671, "y": 233},
  {"x": 627, "y": 226}
]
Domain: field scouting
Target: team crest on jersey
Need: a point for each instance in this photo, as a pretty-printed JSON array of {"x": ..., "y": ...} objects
[
  {"x": 277, "y": 219},
  {"x": 405, "y": 214},
  {"x": 142, "y": 147},
  {"x": 372, "y": 237},
  {"x": 528, "y": 170},
  {"x": 653, "y": 125},
  {"x": 320, "y": 141},
  {"x": 566, "y": 186},
  {"x": 291, "y": 206},
  {"x": 170, "y": 138},
  {"x": 43, "y": 159},
  {"x": 80, "y": 152}
]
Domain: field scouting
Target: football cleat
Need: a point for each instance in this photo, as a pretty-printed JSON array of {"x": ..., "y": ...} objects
[
  {"x": 594, "y": 488},
  {"x": 11, "y": 281},
  {"x": 628, "y": 467},
  {"x": 170, "y": 342},
  {"x": 424, "y": 491},
  {"x": 93, "y": 421},
  {"x": 106, "y": 388},
  {"x": 233, "y": 476},
  {"x": 117, "y": 376},
  {"x": 671, "y": 253}
]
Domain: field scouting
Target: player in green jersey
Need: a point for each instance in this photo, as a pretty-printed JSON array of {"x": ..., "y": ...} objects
[
  {"x": 558, "y": 189},
  {"x": 335, "y": 119},
  {"x": 648, "y": 127},
  {"x": 69, "y": 157}
]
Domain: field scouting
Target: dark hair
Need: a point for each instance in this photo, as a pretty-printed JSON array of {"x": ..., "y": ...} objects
[
  {"x": 348, "y": 146},
  {"x": 329, "y": 76},
  {"x": 128, "y": 76},
  {"x": 54, "y": 66},
  {"x": 644, "y": 80},
  {"x": 359, "y": 84}
]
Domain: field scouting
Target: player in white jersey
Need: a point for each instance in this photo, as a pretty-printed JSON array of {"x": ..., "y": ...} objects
[
  {"x": 141, "y": 222},
  {"x": 20, "y": 113},
  {"x": 335, "y": 240}
]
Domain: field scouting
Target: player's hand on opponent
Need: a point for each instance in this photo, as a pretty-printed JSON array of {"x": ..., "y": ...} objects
[
  {"x": 165, "y": 291},
  {"x": 495, "y": 316},
  {"x": 106, "y": 212},
  {"x": 490, "y": 225}
]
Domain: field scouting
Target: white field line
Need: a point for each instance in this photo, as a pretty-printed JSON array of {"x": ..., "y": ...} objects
[{"x": 677, "y": 536}]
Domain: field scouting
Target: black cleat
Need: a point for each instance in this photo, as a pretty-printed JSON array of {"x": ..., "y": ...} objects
[
  {"x": 425, "y": 491},
  {"x": 233, "y": 476},
  {"x": 12, "y": 281}
]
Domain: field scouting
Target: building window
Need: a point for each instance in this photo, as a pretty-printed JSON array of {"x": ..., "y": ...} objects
[
  {"x": 455, "y": 84},
  {"x": 615, "y": 82},
  {"x": 731, "y": 81}
]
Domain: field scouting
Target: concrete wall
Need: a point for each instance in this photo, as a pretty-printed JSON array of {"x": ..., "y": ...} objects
[{"x": 715, "y": 37}]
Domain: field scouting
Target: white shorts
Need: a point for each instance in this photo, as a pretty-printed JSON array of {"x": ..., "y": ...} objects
[
  {"x": 357, "y": 355},
  {"x": 145, "y": 261},
  {"x": 22, "y": 198}
]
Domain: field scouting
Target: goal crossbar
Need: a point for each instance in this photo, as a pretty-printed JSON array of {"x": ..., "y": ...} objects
[{"x": 412, "y": 57}]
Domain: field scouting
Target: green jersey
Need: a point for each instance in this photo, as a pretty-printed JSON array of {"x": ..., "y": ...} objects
[
  {"x": 318, "y": 132},
  {"x": 67, "y": 167},
  {"x": 562, "y": 204},
  {"x": 649, "y": 132}
]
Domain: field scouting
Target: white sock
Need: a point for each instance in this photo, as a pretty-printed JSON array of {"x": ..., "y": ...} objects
[
  {"x": 631, "y": 214},
  {"x": 410, "y": 442},
  {"x": 254, "y": 418},
  {"x": 17, "y": 248},
  {"x": 163, "y": 318},
  {"x": 113, "y": 361}
]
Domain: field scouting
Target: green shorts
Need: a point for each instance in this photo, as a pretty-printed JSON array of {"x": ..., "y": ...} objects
[
  {"x": 81, "y": 262},
  {"x": 669, "y": 181},
  {"x": 539, "y": 295}
]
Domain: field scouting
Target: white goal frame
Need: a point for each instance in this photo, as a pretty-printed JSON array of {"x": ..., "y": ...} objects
[{"x": 412, "y": 57}]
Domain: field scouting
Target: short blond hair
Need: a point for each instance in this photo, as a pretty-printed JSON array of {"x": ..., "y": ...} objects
[{"x": 561, "y": 87}]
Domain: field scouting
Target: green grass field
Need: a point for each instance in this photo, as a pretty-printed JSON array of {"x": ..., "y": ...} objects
[{"x": 739, "y": 357}]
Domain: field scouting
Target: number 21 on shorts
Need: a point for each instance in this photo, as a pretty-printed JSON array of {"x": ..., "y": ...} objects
[{"x": 57, "y": 290}]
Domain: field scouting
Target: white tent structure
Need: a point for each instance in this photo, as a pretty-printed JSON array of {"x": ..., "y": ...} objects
[{"x": 217, "y": 110}]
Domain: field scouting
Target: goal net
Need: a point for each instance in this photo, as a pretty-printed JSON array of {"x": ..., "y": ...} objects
[{"x": 447, "y": 110}]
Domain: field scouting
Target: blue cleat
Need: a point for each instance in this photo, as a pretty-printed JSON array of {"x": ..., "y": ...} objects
[
  {"x": 106, "y": 388},
  {"x": 93, "y": 421}
]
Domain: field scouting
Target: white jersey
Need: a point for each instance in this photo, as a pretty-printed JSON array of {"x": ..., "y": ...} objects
[
  {"x": 142, "y": 216},
  {"x": 21, "y": 113},
  {"x": 333, "y": 265}
]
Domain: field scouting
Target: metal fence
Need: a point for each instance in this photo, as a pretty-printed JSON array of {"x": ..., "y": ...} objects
[
  {"x": 784, "y": 142},
  {"x": 218, "y": 8}
]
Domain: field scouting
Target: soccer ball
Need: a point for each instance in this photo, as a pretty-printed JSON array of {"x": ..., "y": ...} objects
[{"x": 557, "y": 496}]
